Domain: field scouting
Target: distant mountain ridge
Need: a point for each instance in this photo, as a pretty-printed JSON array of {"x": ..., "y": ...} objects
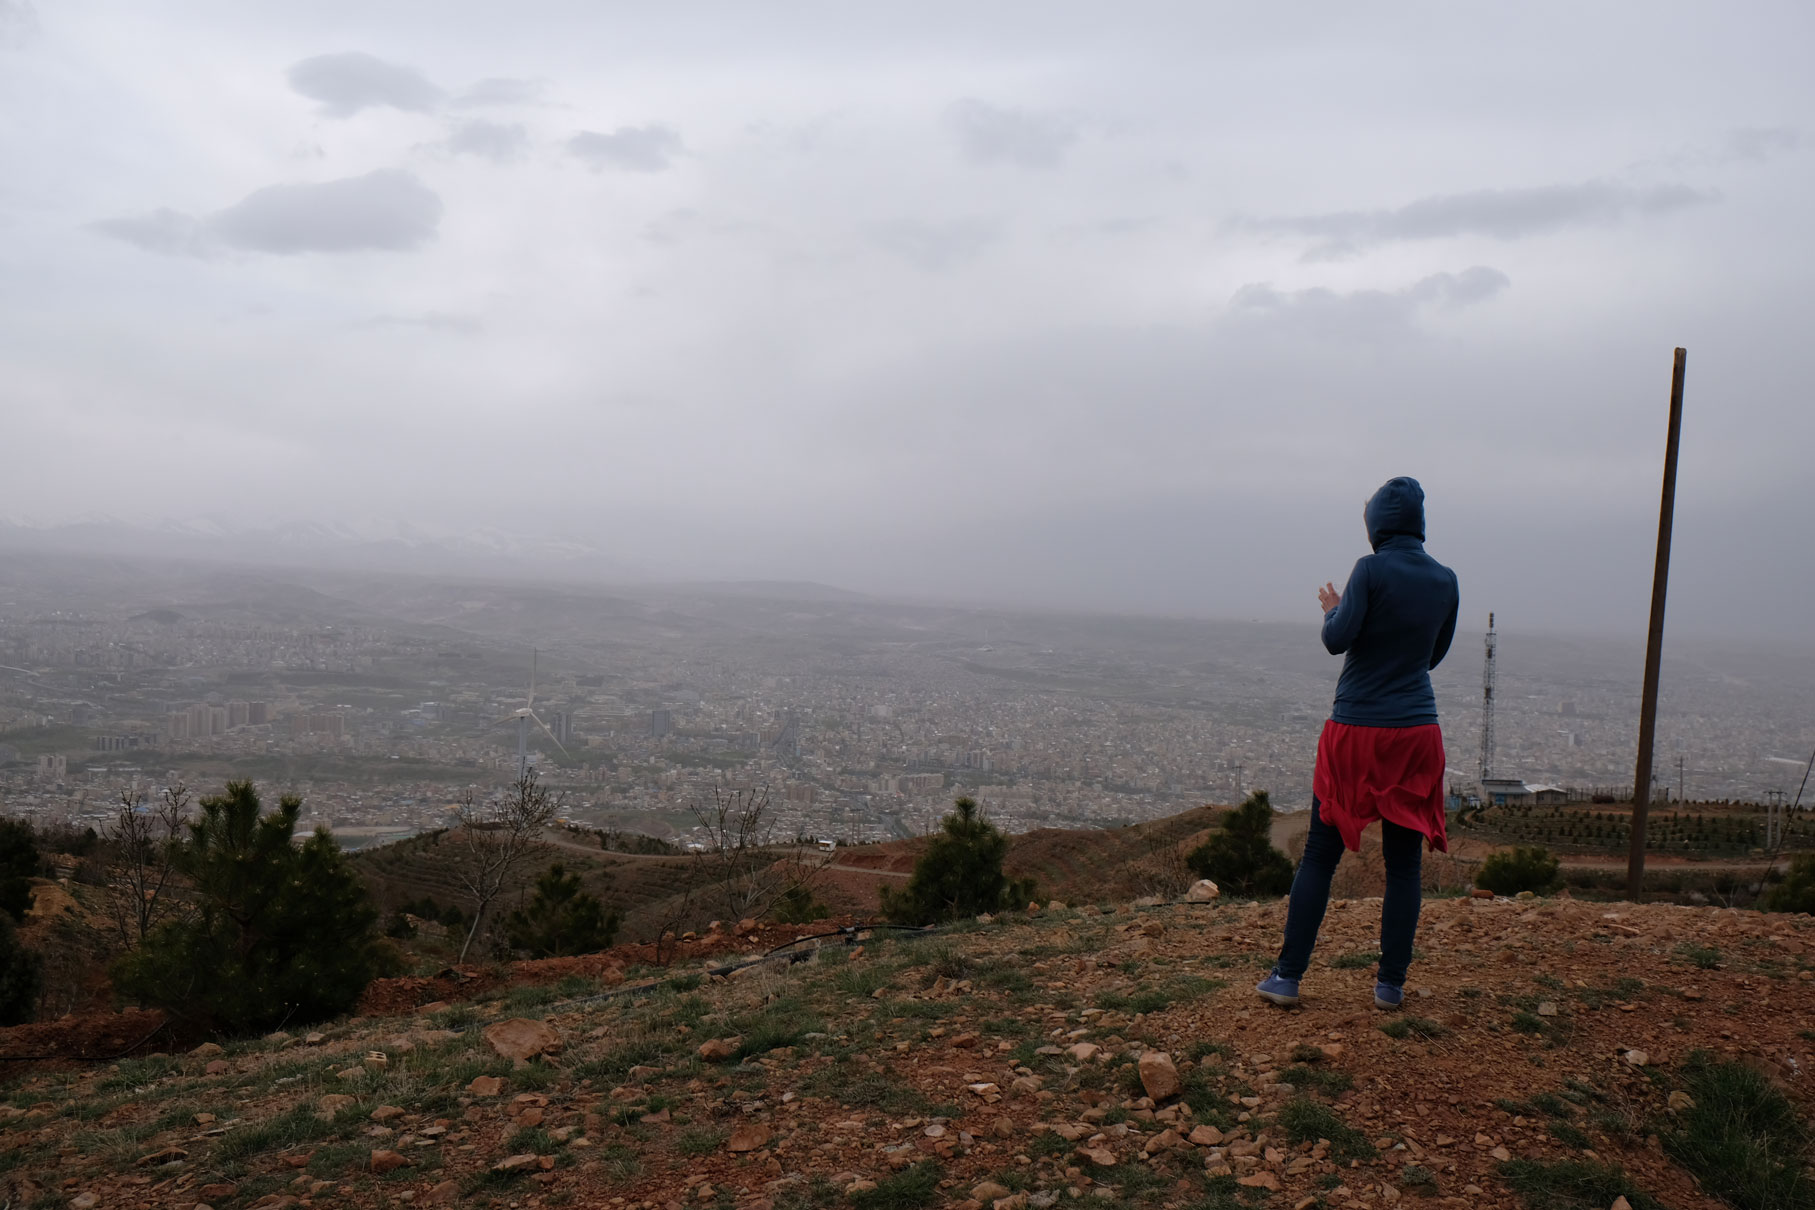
[{"x": 354, "y": 545}]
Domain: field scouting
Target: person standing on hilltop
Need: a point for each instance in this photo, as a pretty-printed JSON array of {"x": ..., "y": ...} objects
[{"x": 1381, "y": 752}]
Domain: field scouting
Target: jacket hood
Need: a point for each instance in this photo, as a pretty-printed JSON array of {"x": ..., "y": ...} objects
[{"x": 1397, "y": 508}]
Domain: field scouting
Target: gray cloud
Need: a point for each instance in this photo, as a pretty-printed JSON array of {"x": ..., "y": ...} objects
[
  {"x": 18, "y": 23},
  {"x": 428, "y": 321},
  {"x": 1760, "y": 143},
  {"x": 631, "y": 148},
  {"x": 499, "y": 90},
  {"x": 495, "y": 141},
  {"x": 1364, "y": 314},
  {"x": 170, "y": 232},
  {"x": 353, "y": 80},
  {"x": 1505, "y": 214},
  {"x": 934, "y": 245},
  {"x": 993, "y": 134},
  {"x": 388, "y": 209}
]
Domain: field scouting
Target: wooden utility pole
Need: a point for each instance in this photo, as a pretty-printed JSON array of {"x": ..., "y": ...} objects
[{"x": 1654, "y": 645}]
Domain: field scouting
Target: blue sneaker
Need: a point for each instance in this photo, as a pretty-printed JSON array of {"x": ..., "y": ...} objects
[
  {"x": 1387, "y": 996},
  {"x": 1277, "y": 990}
]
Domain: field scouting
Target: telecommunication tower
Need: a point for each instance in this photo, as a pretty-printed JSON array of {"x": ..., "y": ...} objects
[{"x": 1487, "y": 705}]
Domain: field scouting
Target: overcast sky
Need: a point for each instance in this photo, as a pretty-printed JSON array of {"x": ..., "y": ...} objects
[{"x": 1115, "y": 306}]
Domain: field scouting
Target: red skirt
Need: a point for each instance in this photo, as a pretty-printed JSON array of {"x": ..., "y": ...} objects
[{"x": 1390, "y": 773}]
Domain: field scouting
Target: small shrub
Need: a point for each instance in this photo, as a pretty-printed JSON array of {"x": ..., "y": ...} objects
[
  {"x": 798, "y": 905},
  {"x": 1510, "y": 871},
  {"x": 1743, "y": 1138},
  {"x": 1240, "y": 858},
  {"x": 1796, "y": 893},
  {"x": 561, "y": 919},
  {"x": 21, "y": 976},
  {"x": 959, "y": 874}
]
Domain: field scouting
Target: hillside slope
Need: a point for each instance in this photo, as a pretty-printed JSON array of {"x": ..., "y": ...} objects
[{"x": 1540, "y": 1052}]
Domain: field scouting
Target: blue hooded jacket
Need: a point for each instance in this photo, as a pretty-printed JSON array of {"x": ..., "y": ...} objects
[{"x": 1396, "y": 618}]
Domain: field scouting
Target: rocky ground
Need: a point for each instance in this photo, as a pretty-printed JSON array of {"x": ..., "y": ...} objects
[{"x": 1089, "y": 1057}]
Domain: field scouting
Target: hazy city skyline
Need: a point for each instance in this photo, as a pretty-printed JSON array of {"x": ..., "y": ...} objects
[{"x": 1035, "y": 304}]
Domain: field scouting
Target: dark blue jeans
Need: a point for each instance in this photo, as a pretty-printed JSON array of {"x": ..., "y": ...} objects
[{"x": 1403, "y": 849}]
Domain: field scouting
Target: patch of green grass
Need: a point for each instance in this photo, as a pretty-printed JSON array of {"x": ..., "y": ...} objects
[
  {"x": 859, "y": 1088},
  {"x": 618, "y": 1162},
  {"x": 1528, "y": 1022},
  {"x": 1356, "y": 961},
  {"x": 1563, "y": 1132},
  {"x": 529, "y": 995},
  {"x": 860, "y": 979},
  {"x": 333, "y": 1160},
  {"x": 701, "y": 1140},
  {"x": 1401, "y": 1028},
  {"x": 1743, "y": 1138},
  {"x": 1306, "y": 1121},
  {"x": 530, "y": 1138},
  {"x": 614, "y": 1065},
  {"x": 1326, "y": 1080},
  {"x": 1046, "y": 1144},
  {"x": 1417, "y": 1176},
  {"x": 1516, "y": 1108},
  {"x": 910, "y": 1189},
  {"x": 301, "y": 1124},
  {"x": 1005, "y": 976},
  {"x": 1156, "y": 999},
  {"x": 1572, "y": 1185},
  {"x": 1552, "y": 1104},
  {"x": 1203, "y": 1048},
  {"x": 1705, "y": 956},
  {"x": 137, "y": 1073}
]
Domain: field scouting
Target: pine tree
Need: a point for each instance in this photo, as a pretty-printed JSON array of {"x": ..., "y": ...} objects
[
  {"x": 561, "y": 919},
  {"x": 1241, "y": 858},
  {"x": 960, "y": 874},
  {"x": 279, "y": 933},
  {"x": 18, "y": 862},
  {"x": 21, "y": 976}
]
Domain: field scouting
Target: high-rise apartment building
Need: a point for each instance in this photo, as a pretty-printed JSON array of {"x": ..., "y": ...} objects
[
  {"x": 661, "y": 722},
  {"x": 238, "y": 714},
  {"x": 258, "y": 713}
]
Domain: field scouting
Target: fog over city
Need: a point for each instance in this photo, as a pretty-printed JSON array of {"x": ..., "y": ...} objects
[{"x": 1055, "y": 305}]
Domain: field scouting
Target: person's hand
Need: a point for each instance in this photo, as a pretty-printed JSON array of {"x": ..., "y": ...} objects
[{"x": 1328, "y": 597}]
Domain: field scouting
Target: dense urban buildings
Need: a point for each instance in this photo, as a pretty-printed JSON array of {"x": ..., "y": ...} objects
[{"x": 861, "y": 719}]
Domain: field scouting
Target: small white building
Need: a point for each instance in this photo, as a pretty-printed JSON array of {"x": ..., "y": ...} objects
[{"x": 1502, "y": 791}]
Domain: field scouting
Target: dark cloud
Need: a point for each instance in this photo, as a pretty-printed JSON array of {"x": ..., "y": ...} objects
[
  {"x": 1505, "y": 214},
  {"x": 499, "y": 91},
  {"x": 495, "y": 141},
  {"x": 1363, "y": 314},
  {"x": 385, "y": 210},
  {"x": 992, "y": 134},
  {"x": 170, "y": 232},
  {"x": 353, "y": 80},
  {"x": 937, "y": 246},
  {"x": 630, "y": 148}
]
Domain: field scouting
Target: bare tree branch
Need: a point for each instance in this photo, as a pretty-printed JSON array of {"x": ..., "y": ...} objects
[
  {"x": 493, "y": 844},
  {"x": 141, "y": 860},
  {"x": 741, "y": 868}
]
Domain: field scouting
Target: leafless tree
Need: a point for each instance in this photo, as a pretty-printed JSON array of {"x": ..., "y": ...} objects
[
  {"x": 141, "y": 861},
  {"x": 740, "y": 867},
  {"x": 494, "y": 844}
]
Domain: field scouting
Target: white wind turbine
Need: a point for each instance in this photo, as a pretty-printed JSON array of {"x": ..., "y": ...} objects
[{"x": 524, "y": 716}]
